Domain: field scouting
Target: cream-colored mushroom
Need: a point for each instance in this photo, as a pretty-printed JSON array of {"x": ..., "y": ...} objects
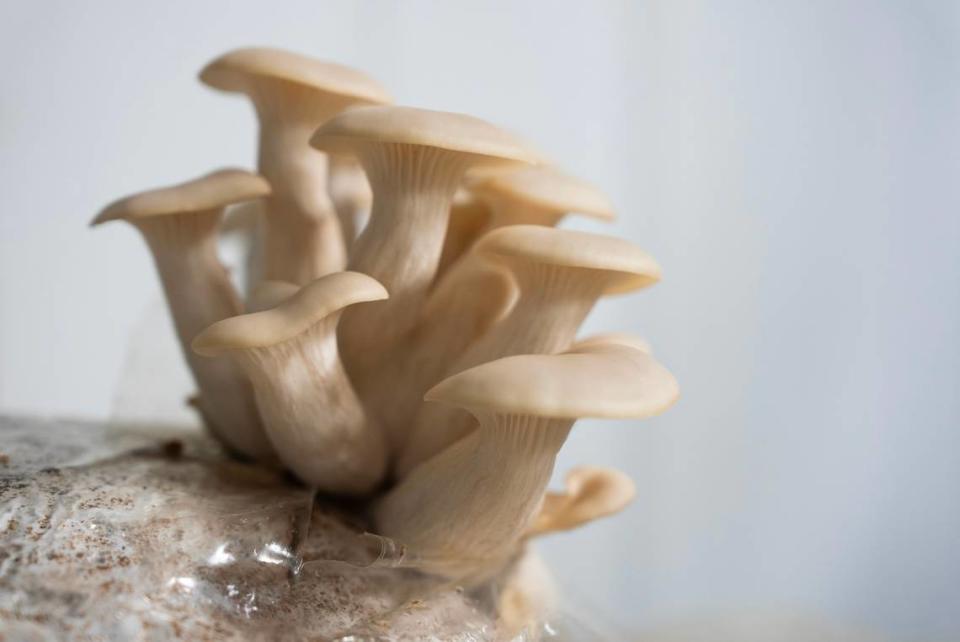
[
  {"x": 462, "y": 512},
  {"x": 311, "y": 413},
  {"x": 414, "y": 160},
  {"x": 351, "y": 195},
  {"x": 179, "y": 224},
  {"x": 293, "y": 95},
  {"x": 592, "y": 492},
  {"x": 540, "y": 195},
  {"x": 560, "y": 274}
]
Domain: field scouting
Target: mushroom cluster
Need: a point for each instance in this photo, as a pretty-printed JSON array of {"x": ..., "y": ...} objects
[{"x": 410, "y": 337}]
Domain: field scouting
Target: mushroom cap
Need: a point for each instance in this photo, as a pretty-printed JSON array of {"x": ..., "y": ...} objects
[
  {"x": 344, "y": 133},
  {"x": 610, "y": 340},
  {"x": 294, "y": 315},
  {"x": 628, "y": 267},
  {"x": 547, "y": 188},
  {"x": 240, "y": 69},
  {"x": 211, "y": 191},
  {"x": 592, "y": 492},
  {"x": 612, "y": 384},
  {"x": 597, "y": 491}
]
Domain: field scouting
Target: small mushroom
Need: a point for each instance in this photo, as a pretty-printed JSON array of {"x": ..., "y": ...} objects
[
  {"x": 560, "y": 274},
  {"x": 540, "y": 195},
  {"x": 293, "y": 95},
  {"x": 414, "y": 160},
  {"x": 592, "y": 493},
  {"x": 351, "y": 195},
  {"x": 311, "y": 413},
  {"x": 180, "y": 225},
  {"x": 462, "y": 512}
]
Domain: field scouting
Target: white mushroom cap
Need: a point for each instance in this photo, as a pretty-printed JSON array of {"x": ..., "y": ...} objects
[
  {"x": 350, "y": 130},
  {"x": 625, "y": 266},
  {"x": 608, "y": 384},
  {"x": 295, "y": 315},
  {"x": 212, "y": 191},
  {"x": 240, "y": 70},
  {"x": 546, "y": 188}
]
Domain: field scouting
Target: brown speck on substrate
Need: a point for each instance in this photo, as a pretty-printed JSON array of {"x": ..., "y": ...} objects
[
  {"x": 173, "y": 449},
  {"x": 4, "y": 459}
]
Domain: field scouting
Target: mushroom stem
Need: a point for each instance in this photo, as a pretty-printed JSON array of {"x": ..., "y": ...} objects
[
  {"x": 303, "y": 239},
  {"x": 413, "y": 187},
  {"x": 498, "y": 472},
  {"x": 199, "y": 292},
  {"x": 313, "y": 417},
  {"x": 312, "y": 414}
]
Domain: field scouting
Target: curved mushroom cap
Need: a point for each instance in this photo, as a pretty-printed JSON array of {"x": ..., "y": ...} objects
[
  {"x": 592, "y": 492},
  {"x": 610, "y": 340},
  {"x": 610, "y": 384},
  {"x": 308, "y": 306},
  {"x": 344, "y": 133},
  {"x": 211, "y": 191},
  {"x": 240, "y": 69},
  {"x": 547, "y": 188},
  {"x": 627, "y": 266}
]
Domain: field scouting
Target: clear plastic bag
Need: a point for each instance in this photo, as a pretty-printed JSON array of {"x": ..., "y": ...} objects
[{"x": 110, "y": 533}]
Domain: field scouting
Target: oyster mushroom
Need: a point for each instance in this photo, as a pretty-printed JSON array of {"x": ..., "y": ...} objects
[
  {"x": 462, "y": 513},
  {"x": 180, "y": 225},
  {"x": 414, "y": 160},
  {"x": 311, "y": 413},
  {"x": 561, "y": 274},
  {"x": 592, "y": 493},
  {"x": 293, "y": 95}
]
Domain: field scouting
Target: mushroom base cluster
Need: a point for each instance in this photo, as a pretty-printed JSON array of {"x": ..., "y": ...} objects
[
  {"x": 124, "y": 532},
  {"x": 407, "y": 340}
]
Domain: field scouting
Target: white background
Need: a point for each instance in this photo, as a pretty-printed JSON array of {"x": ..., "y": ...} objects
[{"x": 793, "y": 165}]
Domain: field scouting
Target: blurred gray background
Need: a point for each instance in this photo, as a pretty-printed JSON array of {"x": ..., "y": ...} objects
[{"x": 793, "y": 165}]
